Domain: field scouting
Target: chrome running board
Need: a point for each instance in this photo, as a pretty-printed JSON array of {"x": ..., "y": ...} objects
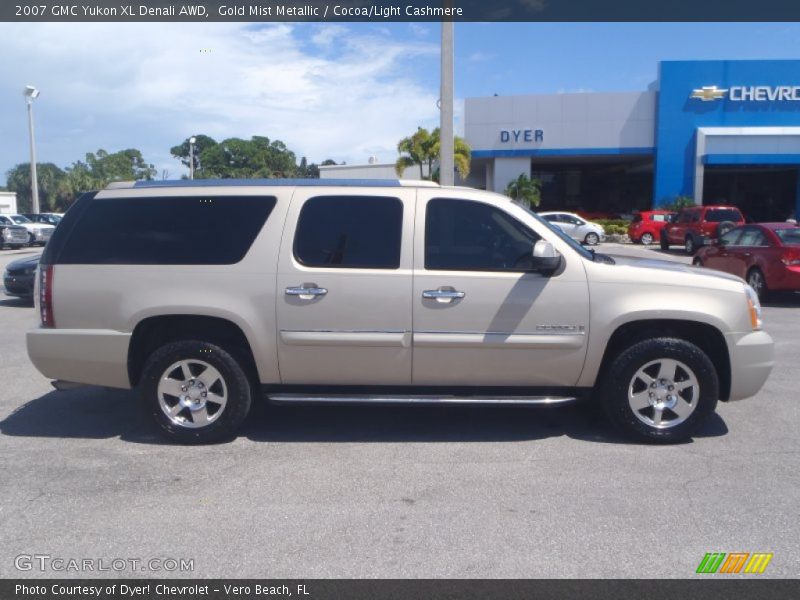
[{"x": 401, "y": 399}]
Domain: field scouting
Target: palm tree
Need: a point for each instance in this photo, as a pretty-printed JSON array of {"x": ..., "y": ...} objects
[
  {"x": 525, "y": 190},
  {"x": 422, "y": 148}
]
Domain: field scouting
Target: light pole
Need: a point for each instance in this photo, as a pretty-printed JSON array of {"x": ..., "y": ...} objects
[
  {"x": 31, "y": 93},
  {"x": 446, "y": 161},
  {"x": 192, "y": 140}
]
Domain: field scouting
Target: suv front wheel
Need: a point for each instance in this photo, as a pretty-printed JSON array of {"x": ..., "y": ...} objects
[
  {"x": 195, "y": 391},
  {"x": 660, "y": 390},
  {"x": 690, "y": 245}
]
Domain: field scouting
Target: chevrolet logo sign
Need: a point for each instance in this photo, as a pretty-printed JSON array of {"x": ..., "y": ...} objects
[{"x": 708, "y": 93}]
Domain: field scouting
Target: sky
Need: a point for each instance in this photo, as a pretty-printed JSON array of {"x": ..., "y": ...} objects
[{"x": 340, "y": 91}]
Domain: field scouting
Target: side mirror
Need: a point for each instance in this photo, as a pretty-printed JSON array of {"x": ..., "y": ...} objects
[{"x": 545, "y": 258}]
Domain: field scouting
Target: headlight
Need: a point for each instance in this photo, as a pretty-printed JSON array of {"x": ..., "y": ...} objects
[{"x": 754, "y": 307}]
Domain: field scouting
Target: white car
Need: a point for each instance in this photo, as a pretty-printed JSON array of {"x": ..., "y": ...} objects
[
  {"x": 38, "y": 233},
  {"x": 575, "y": 227}
]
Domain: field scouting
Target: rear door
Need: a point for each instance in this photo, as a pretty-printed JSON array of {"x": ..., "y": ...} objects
[
  {"x": 344, "y": 287},
  {"x": 479, "y": 318}
]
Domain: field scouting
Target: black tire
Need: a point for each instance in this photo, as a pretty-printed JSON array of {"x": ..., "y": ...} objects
[
  {"x": 724, "y": 228},
  {"x": 756, "y": 280},
  {"x": 237, "y": 385},
  {"x": 663, "y": 241},
  {"x": 647, "y": 238},
  {"x": 697, "y": 262},
  {"x": 690, "y": 245},
  {"x": 620, "y": 378},
  {"x": 16, "y": 246},
  {"x": 591, "y": 239},
  {"x": 31, "y": 239}
]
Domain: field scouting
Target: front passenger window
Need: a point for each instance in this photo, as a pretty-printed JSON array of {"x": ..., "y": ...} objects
[{"x": 462, "y": 235}]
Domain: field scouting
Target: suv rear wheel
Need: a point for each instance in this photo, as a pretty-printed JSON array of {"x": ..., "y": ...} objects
[
  {"x": 195, "y": 391},
  {"x": 660, "y": 390}
]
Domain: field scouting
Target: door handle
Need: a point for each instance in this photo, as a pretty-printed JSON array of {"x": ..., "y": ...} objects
[
  {"x": 443, "y": 295},
  {"x": 306, "y": 293}
]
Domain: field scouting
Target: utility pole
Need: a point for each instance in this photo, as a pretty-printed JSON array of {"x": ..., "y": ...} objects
[
  {"x": 31, "y": 93},
  {"x": 446, "y": 162}
]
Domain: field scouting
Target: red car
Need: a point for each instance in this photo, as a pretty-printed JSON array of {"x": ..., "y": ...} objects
[
  {"x": 766, "y": 255},
  {"x": 647, "y": 225},
  {"x": 698, "y": 225}
]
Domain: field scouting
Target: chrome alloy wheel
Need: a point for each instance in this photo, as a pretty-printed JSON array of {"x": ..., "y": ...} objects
[
  {"x": 663, "y": 393},
  {"x": 756, "y": 281},
  {"x": 192, "y": 393}
]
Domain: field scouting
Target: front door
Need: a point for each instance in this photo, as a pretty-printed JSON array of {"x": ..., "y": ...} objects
[
  {"x": 344, "y": 288},
  {"x": 481, "y": 319}
]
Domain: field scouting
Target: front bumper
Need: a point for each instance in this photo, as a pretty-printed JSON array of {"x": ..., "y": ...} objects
[
  {"x": 19, "y": 285},
  {"x": 16, "y": 238},
  {"x": 752, "y": 358},
  {"x": 42, "y": 235},
  {"x": 93, "y": 356}
]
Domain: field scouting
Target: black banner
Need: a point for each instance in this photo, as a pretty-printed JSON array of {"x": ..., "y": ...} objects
[
  {"x": 395, "y": 589},
  {"x": 400, "y": 10}
]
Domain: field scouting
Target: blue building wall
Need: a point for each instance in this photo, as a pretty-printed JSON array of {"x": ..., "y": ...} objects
[{"x": 679, "y": 115}]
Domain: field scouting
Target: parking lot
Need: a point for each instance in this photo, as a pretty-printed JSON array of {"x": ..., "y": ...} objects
[{"x": 348, "y": 491}]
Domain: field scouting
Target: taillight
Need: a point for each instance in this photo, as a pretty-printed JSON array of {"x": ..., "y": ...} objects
[
  {"x": 46, "y": 295},
  {"x": 791, "y": 258}
]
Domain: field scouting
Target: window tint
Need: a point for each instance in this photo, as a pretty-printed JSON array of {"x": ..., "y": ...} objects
[
  {"x": 461, "y": 235},
  {"x": 636, "y": 218},
  {"x": 20, "y": 219},
  {"x": 355, "y": 232},
  {"x": 730, "y": 238},
  {"x": 210, "y": 230},
  {"x": 789, "y": 236},
  {"x": 684, "y": 217},
  {"x": 5, "y": 220},
  {"x": 752, "y": 237},
  {"x": 718, "y": 215},
  {"x": 551, "y": 218}
]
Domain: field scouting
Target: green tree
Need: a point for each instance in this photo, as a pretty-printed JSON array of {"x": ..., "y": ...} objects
[
  {"x": 202, "y": 142},
  {"x": 525, "y": 190},
  {"x": 53, "y": 188},
  {"x": 422, "y": 149},
  {"x": 125, "y": 165},
  {"x": 254, "y": 158},
  {"x": 679, "y": 202}
]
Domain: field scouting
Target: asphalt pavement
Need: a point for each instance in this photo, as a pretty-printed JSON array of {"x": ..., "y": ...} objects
[{"x": 393, "y": 491}]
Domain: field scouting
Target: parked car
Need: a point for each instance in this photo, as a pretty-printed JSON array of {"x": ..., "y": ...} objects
[
  {"x": 577, "y": 228},
  {"x": 12, "y": 236},
  {"x": 48, "y": 218},
  {"x": 646, "y": 226},
  {"x": 766, "y": 255},
  {"x": 697, "y": 225},
  {"x": 20, "y": 275},
  {"x": 206, "y": 295},
  {"x": 38, "y": 233}
]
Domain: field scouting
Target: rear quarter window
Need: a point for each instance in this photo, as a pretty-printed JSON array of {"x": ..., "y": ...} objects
[{"x": 197, "y": 230}]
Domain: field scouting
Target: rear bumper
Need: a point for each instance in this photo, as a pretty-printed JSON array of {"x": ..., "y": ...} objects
[
  {"x": 784, "y": 278},
  {"x": 93, "y": 356},
  {"x": 19, "y": 285},
  {"x": 752, "y": 359}
]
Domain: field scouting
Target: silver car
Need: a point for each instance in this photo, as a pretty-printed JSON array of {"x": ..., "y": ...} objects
[{"x": 576, "y": 227}]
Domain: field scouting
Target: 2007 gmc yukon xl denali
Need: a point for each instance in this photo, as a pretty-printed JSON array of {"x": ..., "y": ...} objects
[{"x": 207, "y": 294}]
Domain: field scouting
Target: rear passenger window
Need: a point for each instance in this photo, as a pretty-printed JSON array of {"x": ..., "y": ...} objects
[
  {"x": 207, "y": 230},
  {"x": 353, "y": 232}
]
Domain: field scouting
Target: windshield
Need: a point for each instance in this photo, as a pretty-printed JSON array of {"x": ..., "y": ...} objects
[
  {"x": 20, "y": 219},
  {"x": 555, "y": 229},
  {"x": 790, "y": 237}
]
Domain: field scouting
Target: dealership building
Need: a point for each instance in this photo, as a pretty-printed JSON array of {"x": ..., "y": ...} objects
[{"x": 716, "y": 131}]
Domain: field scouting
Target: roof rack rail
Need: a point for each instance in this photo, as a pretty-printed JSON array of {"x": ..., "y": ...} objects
[{"x": 270, "y": 182}]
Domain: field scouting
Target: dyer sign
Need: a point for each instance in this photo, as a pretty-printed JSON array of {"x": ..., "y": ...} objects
[{"x": 521, "y": 135}]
